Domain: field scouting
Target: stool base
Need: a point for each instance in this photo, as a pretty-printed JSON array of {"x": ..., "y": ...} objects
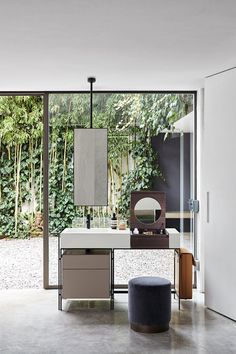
[{"x": 149, "y": 329}]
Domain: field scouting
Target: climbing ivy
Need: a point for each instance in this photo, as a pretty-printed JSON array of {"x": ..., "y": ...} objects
[{"x": 132, "y": 121}]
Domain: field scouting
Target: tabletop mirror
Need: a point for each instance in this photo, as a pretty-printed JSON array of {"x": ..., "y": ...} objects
[{"x": 148, "y": 210}]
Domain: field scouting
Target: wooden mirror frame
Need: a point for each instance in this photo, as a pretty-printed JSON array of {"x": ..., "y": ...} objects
[{"x": 160, "y": 197}]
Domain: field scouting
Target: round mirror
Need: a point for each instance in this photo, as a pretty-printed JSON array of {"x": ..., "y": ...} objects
[{"x": 147, "y": 210}]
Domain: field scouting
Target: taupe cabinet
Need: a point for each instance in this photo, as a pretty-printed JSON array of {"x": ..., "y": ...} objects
[{"x": 86, "y": 275}]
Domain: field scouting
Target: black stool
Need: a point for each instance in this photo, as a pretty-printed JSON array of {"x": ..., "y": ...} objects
[{"x": 149, "y": 304}]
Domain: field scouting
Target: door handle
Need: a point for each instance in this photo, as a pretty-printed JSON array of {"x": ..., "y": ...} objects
[{"x": 193, "y": 205}]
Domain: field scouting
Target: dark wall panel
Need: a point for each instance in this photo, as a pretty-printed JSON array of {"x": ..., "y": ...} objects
[{"x": 169, "y": 161}]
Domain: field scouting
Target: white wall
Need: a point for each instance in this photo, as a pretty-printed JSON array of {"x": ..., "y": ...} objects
[{"x": 218, "y": 177}]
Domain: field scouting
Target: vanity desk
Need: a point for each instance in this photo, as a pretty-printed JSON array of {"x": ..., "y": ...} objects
[
  {"x": 86, "y": 256},
  {"x": 86, "y": 260}
]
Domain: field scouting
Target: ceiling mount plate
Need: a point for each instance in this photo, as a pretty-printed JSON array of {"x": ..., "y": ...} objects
[{"x": 91, "y": 79}]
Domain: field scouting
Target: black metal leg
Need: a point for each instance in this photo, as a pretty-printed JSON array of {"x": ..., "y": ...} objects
[
  {"x": 179, "y": 278},
  {"x": 177, "y": 292},
  {"x": 112, "y": 280},
  {"x": 174, "y": 274},
  {"x": 59, "y": 277}
]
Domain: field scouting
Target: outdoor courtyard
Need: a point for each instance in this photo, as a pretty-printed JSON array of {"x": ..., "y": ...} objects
[{"x": 21, "y": 263}]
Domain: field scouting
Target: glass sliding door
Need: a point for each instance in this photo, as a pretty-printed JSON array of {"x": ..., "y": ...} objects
[
  {"x": 173, "y": 142},
  {"x": 187, "y": 185},
  {"x": 146, "y": 150},
  {"x": 66, "y": 112},
  {"x": 21, "y": 190}
]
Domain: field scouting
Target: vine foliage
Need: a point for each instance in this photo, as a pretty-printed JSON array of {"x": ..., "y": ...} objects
[{"x": 132, "y": 121}]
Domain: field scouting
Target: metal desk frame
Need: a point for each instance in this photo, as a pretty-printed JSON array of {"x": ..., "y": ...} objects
[
  {"x": 113, "y": 288},
  {"x": 125, "y": 289}
]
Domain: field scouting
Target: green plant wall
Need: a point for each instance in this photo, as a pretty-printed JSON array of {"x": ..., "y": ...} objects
[
  {"x": 21, "y": 183},
  {"x": 132, "y": 120}
]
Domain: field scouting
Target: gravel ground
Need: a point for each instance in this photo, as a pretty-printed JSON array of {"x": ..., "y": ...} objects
[{"x": 21, "y": 263}]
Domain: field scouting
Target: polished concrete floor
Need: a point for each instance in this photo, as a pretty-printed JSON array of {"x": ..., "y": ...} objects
[{"x": 30, "y": 323}]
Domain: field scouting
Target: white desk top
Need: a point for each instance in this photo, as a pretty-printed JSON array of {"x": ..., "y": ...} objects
[
  {"x": 105, "y": 238},
  {"x": 95, "y": 238}
]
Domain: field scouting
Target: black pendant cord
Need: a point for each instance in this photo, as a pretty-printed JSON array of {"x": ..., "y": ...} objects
[
  {"x": 91, "y": 104},
  {"x": 91, "y": 80}
]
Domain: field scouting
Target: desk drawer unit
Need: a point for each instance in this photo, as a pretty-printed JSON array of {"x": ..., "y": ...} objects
[
  {"x": 86, "y": 261},
  {"x": 86, "y": 276}
]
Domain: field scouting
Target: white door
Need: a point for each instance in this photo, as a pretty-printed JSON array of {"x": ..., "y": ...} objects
[{"x": 219, "y": 193}]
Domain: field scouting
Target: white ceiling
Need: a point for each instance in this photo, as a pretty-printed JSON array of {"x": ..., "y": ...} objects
[{"x": 126, "y": 44}]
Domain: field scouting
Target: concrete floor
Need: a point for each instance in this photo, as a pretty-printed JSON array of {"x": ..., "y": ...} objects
[{"x": 31, "y": 323}]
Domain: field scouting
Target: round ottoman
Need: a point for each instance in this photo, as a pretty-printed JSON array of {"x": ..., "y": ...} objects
[{"x": 149, "y": 304}]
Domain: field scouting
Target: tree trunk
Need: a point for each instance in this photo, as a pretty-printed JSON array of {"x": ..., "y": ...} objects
[
  {"x": 65, "y": 147},
  {"x": 0, "y": 167},
  {"x": 41, "y": 176},
  {"x": 64, "y": 162},
  {"x": 9, "y": 152},
  {"x": 110, "y": 184},
  {"x": 112, "y": 189},
  {"x": 31, "y": 172},
  {"x": 18, "y": 166}
]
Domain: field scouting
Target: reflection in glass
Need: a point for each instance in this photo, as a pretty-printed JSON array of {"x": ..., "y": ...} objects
[{"x": 147, "y": 210}]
